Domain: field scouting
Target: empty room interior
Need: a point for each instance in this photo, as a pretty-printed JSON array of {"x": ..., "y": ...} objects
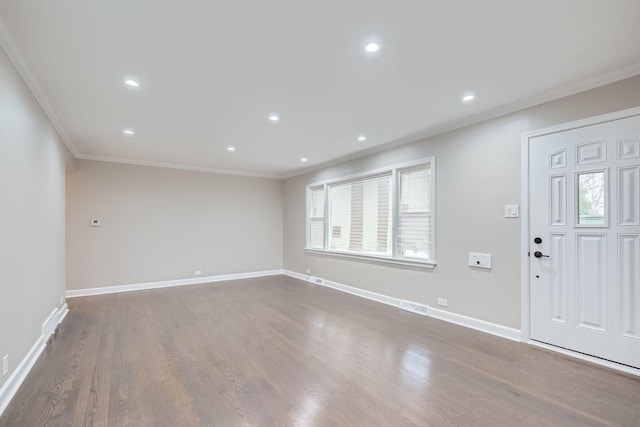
[{"x": 337, "y": 213}]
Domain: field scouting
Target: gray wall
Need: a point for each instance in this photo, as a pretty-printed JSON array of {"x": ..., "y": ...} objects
[
  {"x": 478, "y": 172},
  {"x": 32, "y": 185},
  {"x": 162, "y": 224}
]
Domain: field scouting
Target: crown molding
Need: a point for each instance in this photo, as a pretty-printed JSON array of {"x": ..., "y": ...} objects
[
  {"x": 548, "y": 96},
  {"x": 7, "y": 44},
  {"x": 173, "y": 166},
  {"x": 15, "y": 57}
]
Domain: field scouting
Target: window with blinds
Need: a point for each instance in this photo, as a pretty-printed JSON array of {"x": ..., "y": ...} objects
[
  {"x": 386, "y": 214},
  {"x": 360, "y": 216},
  {"x": 316, "y": 218},
  {"x": 414, "y": 213}
]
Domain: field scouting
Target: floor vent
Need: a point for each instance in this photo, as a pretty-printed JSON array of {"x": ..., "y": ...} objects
[
  {"x": 414, "y": 307},
  {"x": 49, "y": 325},
  {"x": 315, "y": 280}
]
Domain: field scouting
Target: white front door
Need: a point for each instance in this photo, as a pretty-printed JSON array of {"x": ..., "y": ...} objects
[{"x": 584, "y": 232}]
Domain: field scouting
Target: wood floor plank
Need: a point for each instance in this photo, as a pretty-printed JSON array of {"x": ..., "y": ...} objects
[{"x": 274, "y": 351}]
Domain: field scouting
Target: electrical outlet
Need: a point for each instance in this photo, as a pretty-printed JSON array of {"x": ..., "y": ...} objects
[
  {"x": 62, "y": 300},
  {"x": 197, "y": 273},
  {"x": 442, "y": 302},
  {"x": 308, "y": 271},
  {"x": 511, "y": 211},
  {"x": 5, "y": 365},
  {"x": 479, "y": 260},
  {"x": 95, "y": 222}
]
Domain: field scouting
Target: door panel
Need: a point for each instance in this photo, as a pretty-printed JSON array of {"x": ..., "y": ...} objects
[
  {"x": 559, "y": 200},
  {"x": 558, "y": 258},
  {"x": 591, "y": 282},
  {"x": 628, "y": 148},
  {"x": 629, "y": 196},
  {"x": 584, "y": 205},
  {"x": 591, "y": 152},
  {"x": 629, "y": 279}
]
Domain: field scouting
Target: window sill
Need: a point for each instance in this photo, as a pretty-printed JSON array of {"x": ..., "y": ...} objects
[{"x": 372, "y": 258}]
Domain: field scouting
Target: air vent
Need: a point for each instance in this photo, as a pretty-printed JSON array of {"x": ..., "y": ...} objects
[
  {"x": 50, "y": 324},
  {"x": 414, "y": 307},
  {"x": 315, "y": 280}
]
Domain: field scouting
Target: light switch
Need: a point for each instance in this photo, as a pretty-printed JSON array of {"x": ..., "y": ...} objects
[
  {"x": 479, "y": 260},
  {"x": 511, "y": 211}
]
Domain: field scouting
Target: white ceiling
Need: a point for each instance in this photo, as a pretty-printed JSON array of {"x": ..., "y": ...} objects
[{"x": 212, "y": 71}]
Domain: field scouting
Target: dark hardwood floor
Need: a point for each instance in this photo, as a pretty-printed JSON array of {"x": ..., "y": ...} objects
[{"x": 273, "y": 352}]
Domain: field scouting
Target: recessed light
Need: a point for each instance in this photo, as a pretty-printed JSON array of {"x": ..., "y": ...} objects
[
  {"x": 230, "y": 148},
  {"x": 132, "y": 83},
  {"x": 362, "y": 138},
  {"x": 468, "y": 97},
  {"x": 304, "y": 159},
  {"x": 128, "y": 132},
  {"x": 274, "y": 117},
  {"x": 372, "y": 47}
]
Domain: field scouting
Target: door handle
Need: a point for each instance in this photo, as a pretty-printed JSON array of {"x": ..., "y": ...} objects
[{"x": 539, "y": 254}]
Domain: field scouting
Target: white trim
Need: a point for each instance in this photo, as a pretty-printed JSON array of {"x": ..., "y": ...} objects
[
  {"x": 374, "y": 258},
  {"x": 18, "y": 376},
  {"x": 295, "y": 275},
  {"x": 563, "y": 92},
  {"x": 524, "y": 238},
  {"x": 62, "y": 313},
  {"x": 172, "y": 166},
  {"x": 525, "y": 318},
  {"x": 8, "y": 45},
  {"x": 586, "y": 357},
  {"x": 447, "y": 316},
  {"x": 168, "y": 283},
  {"x": 395, "y": 212},
  {"x": 477, "y": 324},
  {"x": 373, "y": 296},
  {"x": 374, "y": 172},
  {"x": 590, "y": 121}
]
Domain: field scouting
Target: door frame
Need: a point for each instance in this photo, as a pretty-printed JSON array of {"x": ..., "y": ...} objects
[{"x": 525, "y": 318}]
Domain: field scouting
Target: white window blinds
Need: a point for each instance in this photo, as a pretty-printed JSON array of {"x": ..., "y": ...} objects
[
  {"x": 360, "y": 216},
  {"x": 414, "y": 213},
  {"x": 386, "y": 214},
  {"x": 316, "y": 216}
]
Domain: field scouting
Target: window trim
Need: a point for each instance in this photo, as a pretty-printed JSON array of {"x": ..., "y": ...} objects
[
  {"x": 309, "y": 218},
  {"x": 394, "y": 171}
]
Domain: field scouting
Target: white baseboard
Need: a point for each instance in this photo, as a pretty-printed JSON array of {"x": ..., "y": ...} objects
[
  {"x": 10, "y": 387},
  {"x": 462, "y": 320},
  {"x": 477, "y": 324},
  {"x": 16, "y": 379},
  {"x": 344, "y": 288},
  {"x": 168, "y": 283},
  {"x": 296, "y": 275},
  {"x": 458, "y": 319},
  {"x": 62, "y": 313},
  {"x": 385, "y": 299}
]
